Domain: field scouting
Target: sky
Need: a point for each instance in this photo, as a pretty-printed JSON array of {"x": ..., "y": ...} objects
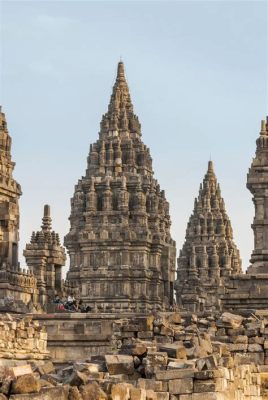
[{"x": 197, "y": 72}]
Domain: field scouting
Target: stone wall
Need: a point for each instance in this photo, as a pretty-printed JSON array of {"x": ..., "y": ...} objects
[
  {"x": 22, "y": 339},
  {"x": 85, "y": 335}
]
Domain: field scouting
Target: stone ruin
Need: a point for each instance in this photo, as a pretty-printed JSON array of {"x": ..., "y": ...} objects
[
  {"x": 137, "y": 342},
  {"x": 120, "y": 228},
  {"x": 163, "y": 356}
]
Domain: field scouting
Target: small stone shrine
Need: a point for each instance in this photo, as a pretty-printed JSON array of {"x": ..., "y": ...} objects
[{"x": 45, "y": 257}]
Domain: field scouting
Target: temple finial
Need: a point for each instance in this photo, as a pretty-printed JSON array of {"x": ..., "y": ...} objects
[
  {"x": 46, "y": 220},
  {"x": 210, "y": 166},
  {"x": 264, "y": 129},
  {"x": 120, "y": 71}
]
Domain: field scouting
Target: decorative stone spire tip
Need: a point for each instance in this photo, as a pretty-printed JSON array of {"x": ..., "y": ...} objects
[
  {"x": 210, "y": 166},
  {"x": 46, "y": 210},
  {"x": 264, "y": 126},
  {"x": 46, "y": 220},
  {"x": 120, "y": 71}
]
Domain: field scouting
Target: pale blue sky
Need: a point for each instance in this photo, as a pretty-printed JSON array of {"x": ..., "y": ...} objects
[{"x": 197, "y": 72}]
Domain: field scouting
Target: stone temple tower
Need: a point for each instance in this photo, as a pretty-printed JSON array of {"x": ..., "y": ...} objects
[
  {"x": 121, "y": 253},
  {"x": 45, "y": 257},
  {"x": 10, "y": 192},
  {"x": 257, "y": 183},
  {"x": 209, "y": 255}
]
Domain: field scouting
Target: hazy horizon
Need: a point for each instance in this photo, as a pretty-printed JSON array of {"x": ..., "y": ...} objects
[{"x": 197, "y": 73}]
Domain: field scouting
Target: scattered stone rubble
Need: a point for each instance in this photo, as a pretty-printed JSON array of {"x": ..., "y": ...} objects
[{"x": 160, "y": 357}]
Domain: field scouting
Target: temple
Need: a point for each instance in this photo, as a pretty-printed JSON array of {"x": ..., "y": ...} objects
[
  {"x": 113, "y": 328},
  {"x": 121, "y": 252},
  {"x": 257, "y": 183},
  {"x": 30, "y": 288},
  {"x": 45, "y": 257},
  {"x": 209, "y": 255},
  {"x": 16, "y": 284},
  {"x": 10, "y": 192},
  {"x": 249, "y": 292},
  {"x": 122, "y": 255}
]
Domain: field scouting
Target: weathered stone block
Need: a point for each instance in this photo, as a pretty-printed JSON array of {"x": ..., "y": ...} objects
[
  {"x": 46, "y": 368},
  {"x": 137, "y": 394},
  {"x": 181, "y": 386},
  {"x": 205, "y": 363},
  {"x": 145, "y": 335},
  {"x": 209, "y": 374},
  {"x": 231, "y": 319},
  {"x": 248, "y": 358},
  {"x": 156, "y": 358},
  {"x": 77, "y": 378},
  {"x": 59, "y": 393},
  {"x": 174, "y": 350},
  {"x": 208, "y": 396},
  {"x": 238, "y": 347},
  {"x": 150, "y": 395},
  {"x": 175, "y": 318},
  {"x": 119, "y": 364},
  {"x": 255, "y": 348},
  {"x": 150, "y": 384},
  {"x": 162, "y": 396},
  {"x": 210, "y": 385},
  {"x": 240, "y": 339},
  {"x": 135, "y": 349},
  {"x": 22, "y": 370},
  {"x": 92, "y": 391},
  {"x": 174, "y": 374},
  {"x": 25, "y": 384}
]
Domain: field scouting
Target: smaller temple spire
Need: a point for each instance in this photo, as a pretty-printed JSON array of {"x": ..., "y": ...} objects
[
  {"x": 45, "y": 257},
  {"x": 257, "y": 182},
  {"x": 208, "y": 228}
]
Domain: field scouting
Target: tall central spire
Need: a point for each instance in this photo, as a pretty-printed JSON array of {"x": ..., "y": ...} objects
[
  {"x": 121, "y": 251},
  {"x": 120, "y": 119}
]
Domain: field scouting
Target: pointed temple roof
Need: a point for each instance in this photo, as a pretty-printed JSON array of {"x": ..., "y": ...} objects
[
  {"x": 120, "y": 116},
  {"x": 209, "y": 228},
  {"x": 257, "y": 183},
  {"x": 119, "y": 216},
  {"x": 262, "y": 146},
  {"x": 45, "y": 235},
  {"x": 209, "y": 255},
  {"x": 7, "y": 182},
  {"x": 10, "y": 191}
]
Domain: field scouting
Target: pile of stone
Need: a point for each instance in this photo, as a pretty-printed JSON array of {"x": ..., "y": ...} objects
[
  {"x": 22, "y": 338},
  {"x": 118, "y": 377},
  {"x": 244, "y": 338},
  {"x": 160, "y": 357}
]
